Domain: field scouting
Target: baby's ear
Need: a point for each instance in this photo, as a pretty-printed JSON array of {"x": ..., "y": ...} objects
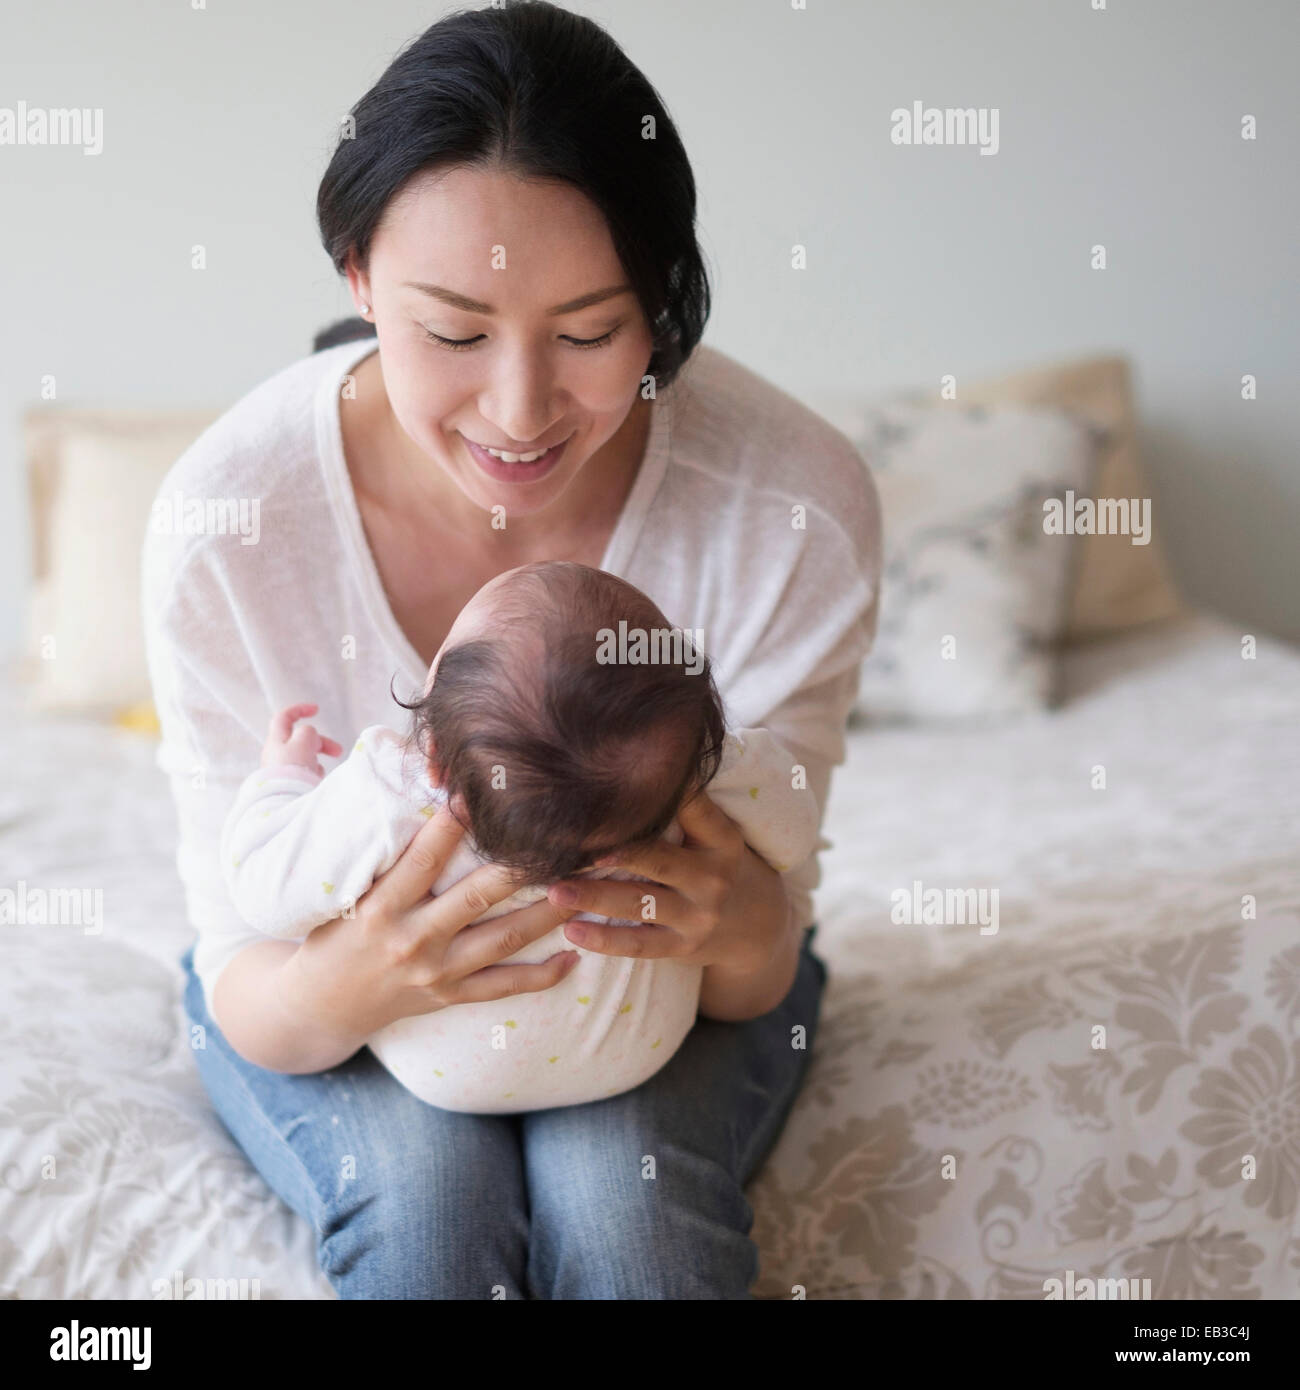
[{"x": 429, "y": 752}]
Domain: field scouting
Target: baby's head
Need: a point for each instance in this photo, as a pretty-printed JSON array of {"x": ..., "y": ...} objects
[{"x": 557, "y": 755}]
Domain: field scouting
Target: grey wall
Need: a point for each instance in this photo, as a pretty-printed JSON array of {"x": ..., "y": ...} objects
[{"x": 1119, "y": 127}]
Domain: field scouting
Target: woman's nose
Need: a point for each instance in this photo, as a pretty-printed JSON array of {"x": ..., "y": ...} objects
[{"x": 519, "y": 402}]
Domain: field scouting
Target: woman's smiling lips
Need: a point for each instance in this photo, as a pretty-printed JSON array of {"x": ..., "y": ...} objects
[{"x": 504, "y": 472}]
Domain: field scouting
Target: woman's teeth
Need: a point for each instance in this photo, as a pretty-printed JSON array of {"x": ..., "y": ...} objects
[{"x": 514, "y": 458}]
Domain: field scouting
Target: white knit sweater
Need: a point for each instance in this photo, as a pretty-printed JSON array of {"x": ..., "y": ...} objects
[{"x": 751, "y": 519}]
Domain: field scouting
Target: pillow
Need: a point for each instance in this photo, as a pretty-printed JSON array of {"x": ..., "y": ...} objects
[
  {"x": 1117, "y": 585},
  {"x": 974, "y": 588},
  {"x": 93, "y": 476}
]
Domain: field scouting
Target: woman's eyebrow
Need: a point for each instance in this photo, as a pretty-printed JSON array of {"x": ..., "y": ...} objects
[{"x": 477, "y": 306}]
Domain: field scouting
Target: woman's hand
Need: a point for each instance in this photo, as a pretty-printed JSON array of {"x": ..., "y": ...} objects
[
  {"x": 711, "y": 901},
  {"x": 399, "y": 953}
]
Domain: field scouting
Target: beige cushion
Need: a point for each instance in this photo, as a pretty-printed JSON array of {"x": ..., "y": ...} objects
[
  {"x": 92, "y": 477},
  {"x": 1118, "y": 585},
  {"x": 974, "y": 590}
]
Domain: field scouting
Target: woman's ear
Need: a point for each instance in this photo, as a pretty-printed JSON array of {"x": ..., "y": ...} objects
[{"x": 358, "y": 281}]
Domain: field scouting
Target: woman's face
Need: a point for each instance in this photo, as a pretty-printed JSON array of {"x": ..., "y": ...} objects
[{"x": 551, "y": 343}]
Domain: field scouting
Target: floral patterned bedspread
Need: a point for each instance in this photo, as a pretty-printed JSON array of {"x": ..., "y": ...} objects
[{"x": 1106, "y": 1087}]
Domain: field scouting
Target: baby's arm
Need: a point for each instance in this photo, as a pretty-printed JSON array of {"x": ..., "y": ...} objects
[
  {"x": 298, "y": 848},
  {"x": 758, "y": 784}
]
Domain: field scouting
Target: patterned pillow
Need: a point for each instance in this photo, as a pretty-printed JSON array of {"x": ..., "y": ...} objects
[{"x": 975, "y": 588}]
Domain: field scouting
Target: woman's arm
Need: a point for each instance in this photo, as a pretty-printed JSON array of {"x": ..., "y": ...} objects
[
  {"x": 760, "y": 785},
  {"x": 270, "y": 1020},
  {"x": 732, "y": 994}
]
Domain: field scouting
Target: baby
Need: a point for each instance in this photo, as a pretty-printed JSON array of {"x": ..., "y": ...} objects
[{"x": 563, "y": 736}]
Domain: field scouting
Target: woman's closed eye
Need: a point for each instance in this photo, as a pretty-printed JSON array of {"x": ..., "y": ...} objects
[{"x": 463, "y": 344}]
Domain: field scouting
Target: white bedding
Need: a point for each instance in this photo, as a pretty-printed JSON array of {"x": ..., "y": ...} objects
[{"x": 1202, "y": 753}]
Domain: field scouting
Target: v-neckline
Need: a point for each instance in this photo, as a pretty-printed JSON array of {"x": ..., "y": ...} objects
[{"x": 347, "y": 514}]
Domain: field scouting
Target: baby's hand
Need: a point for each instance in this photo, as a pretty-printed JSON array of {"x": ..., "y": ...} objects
[{"x": 297, "y": 747}]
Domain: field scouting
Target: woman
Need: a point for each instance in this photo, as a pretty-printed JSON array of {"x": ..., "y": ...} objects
[{"x": 514, "y": 214}]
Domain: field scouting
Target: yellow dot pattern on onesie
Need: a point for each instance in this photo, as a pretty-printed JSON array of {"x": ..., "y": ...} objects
[{"x": 513, "y": 1023}]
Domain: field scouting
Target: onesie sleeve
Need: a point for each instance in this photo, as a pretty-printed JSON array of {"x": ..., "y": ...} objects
[
  {"x": 763, "y": 787},
  {"x": 298, "y": 850}
]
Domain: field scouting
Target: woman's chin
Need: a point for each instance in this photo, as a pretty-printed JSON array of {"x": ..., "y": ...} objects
[{"x": 517, "y": 499}]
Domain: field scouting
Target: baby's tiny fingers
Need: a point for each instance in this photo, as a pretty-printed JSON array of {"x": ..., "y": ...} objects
[
  {"x": 282, "y": 724},
  {"x": 330, "y": 748}
]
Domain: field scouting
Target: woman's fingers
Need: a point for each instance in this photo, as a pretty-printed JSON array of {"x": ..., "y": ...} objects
[
  {"x": 611, "y": 897},
  {"x": 656, "y": 860},
  {"x": 706, "y": 824},
  {"x": 502, "y": 981},
  {"x": 470, "y": 897},
  {"x": 488, "y": 943},
  {"x": 649, "y": 942},
  {"x": 420, "y": 864}
]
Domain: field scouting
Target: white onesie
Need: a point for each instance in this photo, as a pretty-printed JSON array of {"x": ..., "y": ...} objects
[{"x": 299, "y": 849}]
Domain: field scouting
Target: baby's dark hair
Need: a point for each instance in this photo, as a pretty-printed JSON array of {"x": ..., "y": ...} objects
[{"x": 557, "y": 756}]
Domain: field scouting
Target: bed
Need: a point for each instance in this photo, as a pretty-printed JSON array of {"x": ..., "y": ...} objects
[{"x": 966, "y": 1130}]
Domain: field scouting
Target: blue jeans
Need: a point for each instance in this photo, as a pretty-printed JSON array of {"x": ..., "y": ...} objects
[{"x": 638, "y": 1196}]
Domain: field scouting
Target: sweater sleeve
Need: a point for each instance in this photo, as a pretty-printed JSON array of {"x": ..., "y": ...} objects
[
  {"x": 801, "y": 675},
  {"x": 212, "y": 713}
]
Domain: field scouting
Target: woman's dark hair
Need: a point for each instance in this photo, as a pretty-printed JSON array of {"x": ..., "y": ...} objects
[
  {"x": 541, "y": 93},
  {"x": 556, "y": 753}
]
